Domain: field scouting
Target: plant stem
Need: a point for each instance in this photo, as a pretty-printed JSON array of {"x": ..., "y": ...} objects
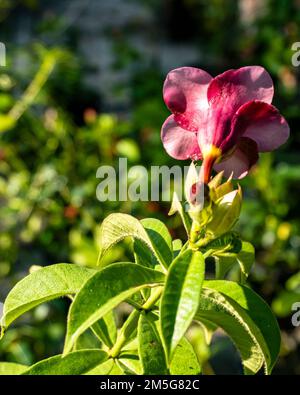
[
  {"x": 134, "y": 304},
  {"x": 131, "y": 323},
  {"x": 194, "y": 235},
  {"x": 153, "y": 299},
  {"x": 129, "y": 326}
]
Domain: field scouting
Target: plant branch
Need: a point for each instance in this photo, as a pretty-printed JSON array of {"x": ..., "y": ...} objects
[{"x": 130, "y": 324}]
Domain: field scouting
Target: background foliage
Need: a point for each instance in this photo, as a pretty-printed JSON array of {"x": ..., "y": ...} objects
[{"x": 82, "y": 87}]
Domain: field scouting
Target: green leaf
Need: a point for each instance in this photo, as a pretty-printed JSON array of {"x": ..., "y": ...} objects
[
  {"x": 177, "y": 207},
  {"x": 130, "y": 362},
  {"x": 161, "y": 240},
  {"x": 151, "y": 350},
  {"x": 106, "y": 329},
  {"x": 87, "y": 341},
  {"x": 246, "y": 318},
  {"x": 116, "y": 369},
  {"x": 228, "y": 243},
  {"x": 152, "y": 232},
  {"x": 143, "y": 255},
  {"x": 109, "y": 367},
  {"x": 184, "y": 361},
  {"x": 259, "y": 312},
  {"x": 41, "y": 286},
  {"x": 177, "y": 246},
  {"x": 244, "y": 258},
  {"x": 101, "y": 370},
  {"x": 224, "y": 264},
  {"x": 75, "y": 363},
  {"x": 11, "y": 369},
  {"x": 215, "y": 308},
  {"x": 181, "y": 296},
  {"x": 104, "y": 291}
]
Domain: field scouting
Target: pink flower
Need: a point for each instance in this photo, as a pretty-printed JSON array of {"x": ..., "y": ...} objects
[{"x": 224, "y": 121}]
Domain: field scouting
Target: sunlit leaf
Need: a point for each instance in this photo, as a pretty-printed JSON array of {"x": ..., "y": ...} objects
[
  {"x": 177, "y": 246},
  {"x": 246, "y": 318},
  {"x": 152, "y": 232},
  {"x": 180, "y": 299},
  {"x": 130, "y": 362},
  {"x": 11, "y": 369},
  {"x": 75, "y": 363},
  {"x": 104, "y": 291},
  {"x": 106, "y": 329},
  {"x": 101, "y": 370},
  {"x": 151, "y": 350},
  {"x": 184, "y": 361},
  {"x": 244, "y": 258},
  {"x": 41, "y": 286}
]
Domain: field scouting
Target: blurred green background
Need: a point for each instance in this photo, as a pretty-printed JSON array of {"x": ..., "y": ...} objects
[{"x": 82, "y": 87}]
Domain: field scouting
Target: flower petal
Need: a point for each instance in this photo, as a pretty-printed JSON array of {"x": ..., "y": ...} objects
[
  {"x": 242, "y": 159},
  {"x": 226, "y": 94},
  {"x": 179, "y": 143},
  {"x": 262, "y": 123},
  {"x": 185, "y": 94},
  {"x": 240, "y": 86}
]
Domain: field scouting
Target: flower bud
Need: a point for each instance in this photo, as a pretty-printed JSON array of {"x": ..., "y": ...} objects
[
  {"x": 225, "y": 210},
  {"x": 198, "y": 197}
]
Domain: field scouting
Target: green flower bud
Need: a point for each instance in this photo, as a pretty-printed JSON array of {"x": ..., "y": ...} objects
[{"x": 225, "y": 211}]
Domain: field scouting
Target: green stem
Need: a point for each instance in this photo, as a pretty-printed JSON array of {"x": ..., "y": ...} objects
[
  {"x": 153, "y": 299},
  {"x": 194, "y": 235},
  {"x": 207, "y": 254},
  {"x": 131, "y": 323},
  {"x": 134, "y": 304},
  {"x": 98, "y": 260},
  {"x": 129, "y": 326}
]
